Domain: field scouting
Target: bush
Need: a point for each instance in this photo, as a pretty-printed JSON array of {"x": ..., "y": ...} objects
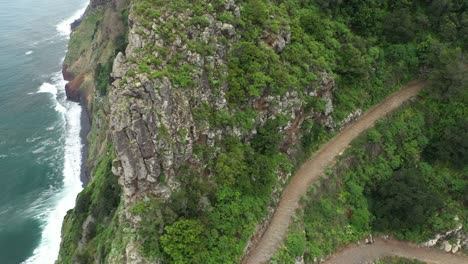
[{"x": 183, "y": 242}]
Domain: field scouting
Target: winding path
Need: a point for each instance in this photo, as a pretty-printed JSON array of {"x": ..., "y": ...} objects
[
  {"x": 313, "y": 168},
  {"x": 357, "y": 254}
]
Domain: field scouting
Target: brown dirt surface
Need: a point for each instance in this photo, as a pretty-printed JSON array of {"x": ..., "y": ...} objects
[
  {"x": 313, "y": 168},
  {"x": 367, "y": 253}
]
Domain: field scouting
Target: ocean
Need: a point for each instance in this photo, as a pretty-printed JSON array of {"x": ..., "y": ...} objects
[{"x": 40, "y": 145}]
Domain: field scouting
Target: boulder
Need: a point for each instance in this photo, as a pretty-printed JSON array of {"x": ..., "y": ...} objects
[
  {"x": 446, "y": 246},
  {"x": 279, "y": 40},
  {"x": 118, "y": 68},
  {"x": 228, "y": 30}
]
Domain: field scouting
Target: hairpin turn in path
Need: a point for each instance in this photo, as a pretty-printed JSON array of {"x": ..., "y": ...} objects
[{"x": 313, "y": 168}]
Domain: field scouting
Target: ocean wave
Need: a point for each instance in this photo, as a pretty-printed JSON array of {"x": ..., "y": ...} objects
[
  {"x": 64, "y": 27},
  {"x": 58, "y": 202},
  {"x": 29, "y": 52},
  {"x": 48, "y": 88},
  {"x": 55, "y": 90},
  {"x": 39, "y": 150},
  {"x": 60, "y": 108},
  {"x": 33, "y": 139},
  {"x": 63, "y": 200},
  {"x": 42, "y": 41}
]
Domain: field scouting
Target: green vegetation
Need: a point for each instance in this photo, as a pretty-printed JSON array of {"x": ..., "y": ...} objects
[
  {"x": 182, "y": 241},
  {"x": 395, "y": 179},
  {"x": 222, "y": 216},
  {"x": 419, "y": 153},
  {"x": 369, "y": 48},
  {"x": 83, "y": 35},
  {"x": 102, "y": 78},
  {"x": 98, "y": 205},
  {"x": 404, "y": 202}
]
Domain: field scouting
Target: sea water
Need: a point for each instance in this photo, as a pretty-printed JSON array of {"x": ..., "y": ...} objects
[{"x": 40, "y": 146}]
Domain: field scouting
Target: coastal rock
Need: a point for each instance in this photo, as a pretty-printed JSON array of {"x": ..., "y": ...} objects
[
  {"x": 72, "y": 89},
  {"x": 67, "y": 76},
  {"x": 76, "y": 23}
]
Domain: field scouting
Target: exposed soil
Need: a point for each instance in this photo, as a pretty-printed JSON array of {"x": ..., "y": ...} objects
[
  {"x": 313, "y": 168},
  {"x": 367, "y": 253}
]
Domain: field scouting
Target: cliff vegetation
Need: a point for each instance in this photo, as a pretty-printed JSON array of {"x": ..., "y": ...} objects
[{"x": 202, "y": 110}]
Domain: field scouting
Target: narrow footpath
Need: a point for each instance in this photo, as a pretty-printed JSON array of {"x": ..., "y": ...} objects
[
  {"x": 313, "y": 168},
  {"x": 365, "y": 253}
]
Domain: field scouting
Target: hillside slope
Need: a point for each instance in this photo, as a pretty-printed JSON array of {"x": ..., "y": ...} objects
[
  {"x": 313, "y": 169},
  {"x": 202, "y": 110}
]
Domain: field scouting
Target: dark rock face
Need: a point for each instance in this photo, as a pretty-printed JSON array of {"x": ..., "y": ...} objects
[
  {"x": 96, "y": 3},
  {"x": 72, "y": 89},
  {"x": 67, "y": 76},
  {"x": 76, "y": 23}
]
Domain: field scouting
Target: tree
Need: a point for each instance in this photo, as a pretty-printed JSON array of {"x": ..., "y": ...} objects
[
  {"x": 184, "y": 241},
  {"x": 452, "y": 147},
  {"x": 404, "y": 202},
  {"x": 450, "y": 78},
  {"x": 256, "y": 11}
]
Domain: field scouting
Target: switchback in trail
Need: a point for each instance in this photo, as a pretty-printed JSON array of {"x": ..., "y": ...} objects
[{"x": 313, "y": 168}]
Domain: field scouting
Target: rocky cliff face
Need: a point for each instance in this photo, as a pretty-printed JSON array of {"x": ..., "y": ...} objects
[
  {"x": 153, "y": 120},
  {"x": 155, "y": 117},
  {"x": 170, "y": 95},
  {"x": 93, "y": 42}
]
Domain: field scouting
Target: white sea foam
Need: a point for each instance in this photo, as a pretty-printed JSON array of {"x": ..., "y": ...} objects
[
  {"x": 64, "y": 27},
  {"x": 39, "y": 150},
  {"x": 48, "y": 88},
  {"x": 53, "y": 89},
  {"x": 61, "y": 201},
  {"x": 33, "y": 139},
  {"x": 29, "y": 52},
  {"x": 49, "y": 246},
  {"x": 60, "y": 108}
]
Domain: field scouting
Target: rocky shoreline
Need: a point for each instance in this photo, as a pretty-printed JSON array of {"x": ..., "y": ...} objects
[{"x": 85, "y": 122}]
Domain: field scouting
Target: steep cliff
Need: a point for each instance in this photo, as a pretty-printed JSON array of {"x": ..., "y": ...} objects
[
  {"x": 201, "y": 112},
  {"x": 94, "y": 42}
]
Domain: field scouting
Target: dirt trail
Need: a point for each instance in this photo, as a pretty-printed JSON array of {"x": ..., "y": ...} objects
[
  {"x": 313, "y": 168},
  {"x": 358, "y": 254}
]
